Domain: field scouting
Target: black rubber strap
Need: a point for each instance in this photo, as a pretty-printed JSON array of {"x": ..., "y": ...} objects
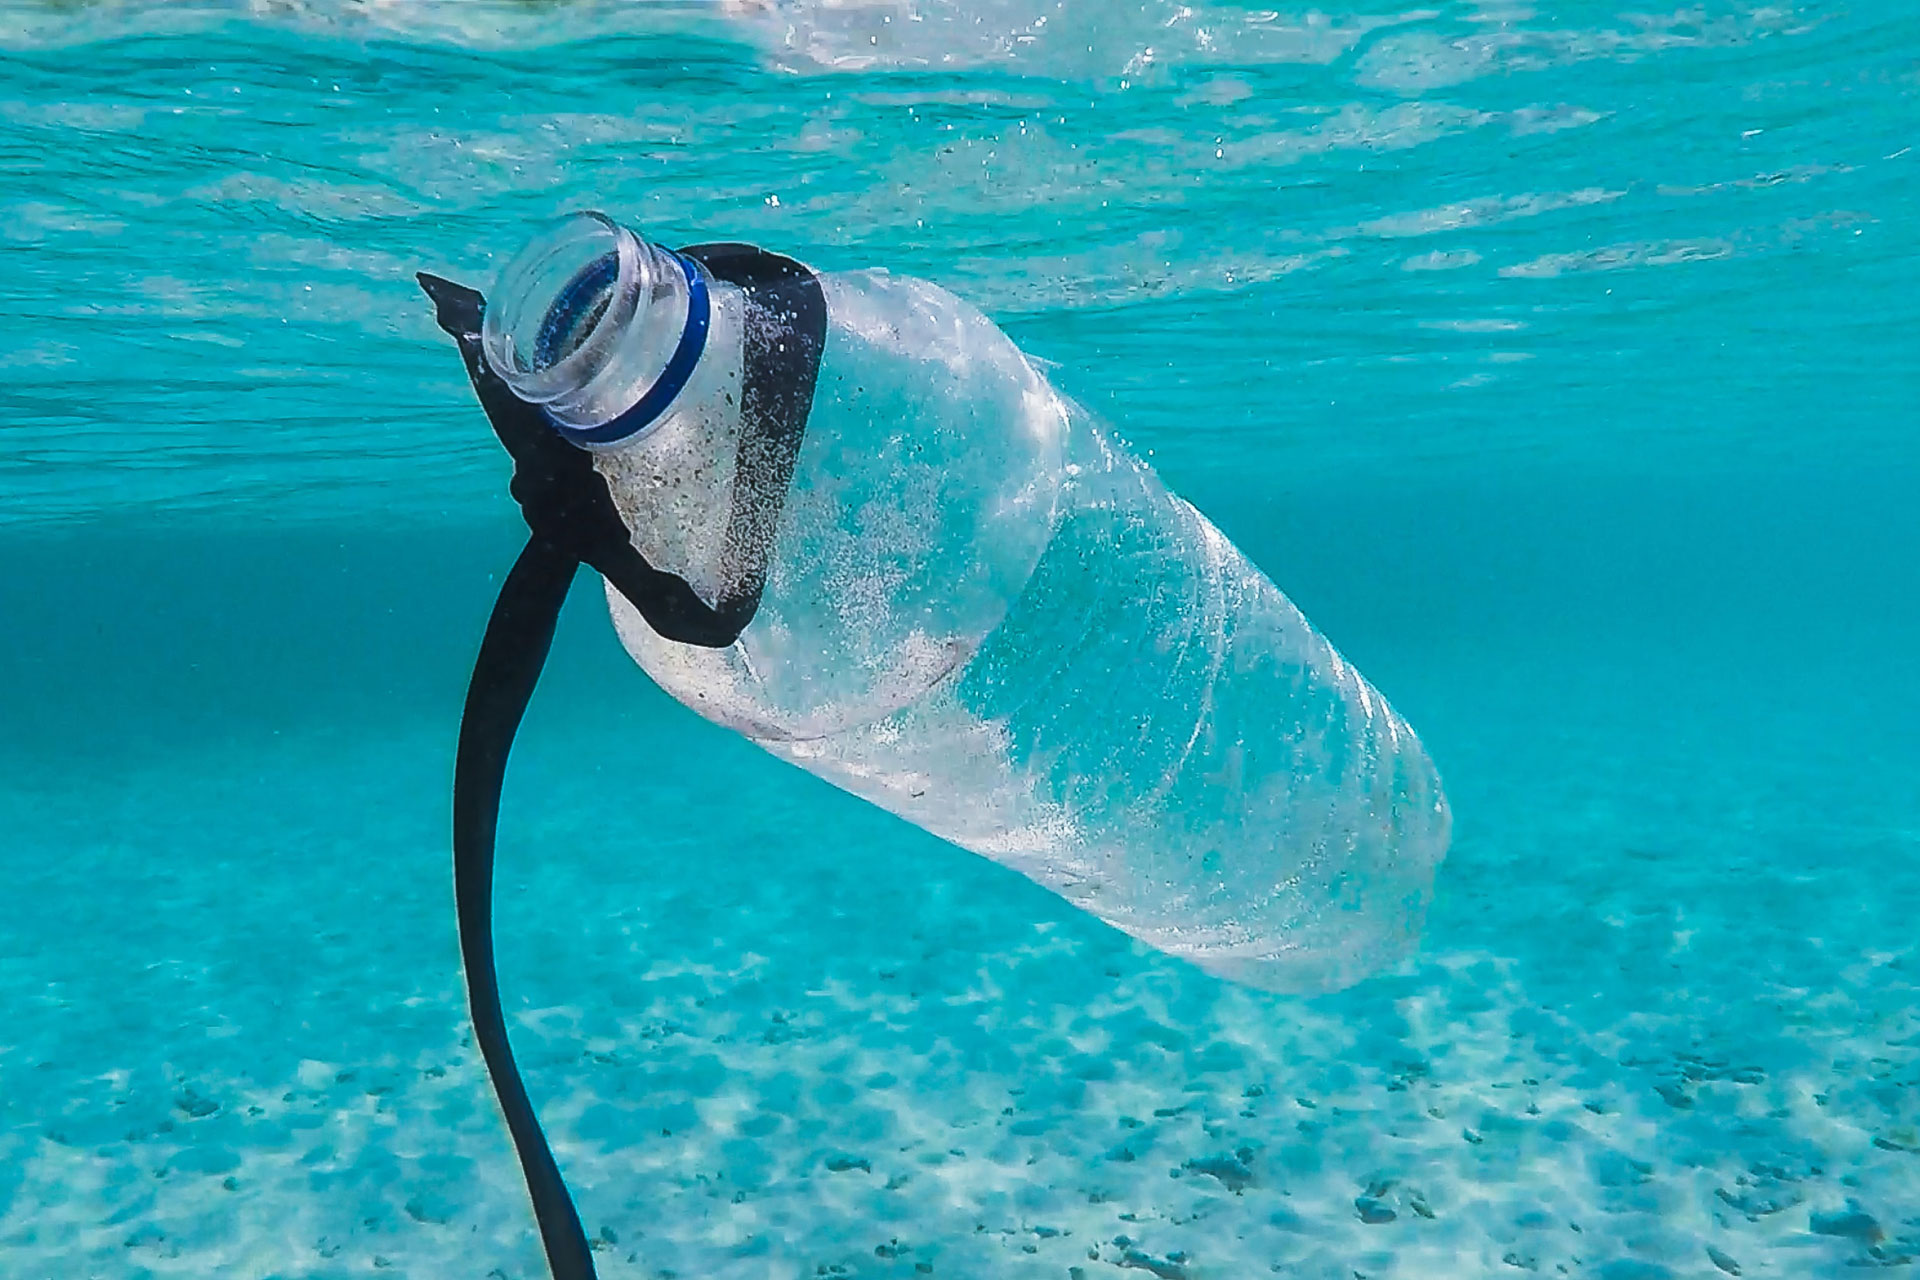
[
  {"x": 519, "y": 634},
  {"x": 573, "y": 521},
  {"x": 565, "y": 501},
  {"x": 785, "y": 336}
]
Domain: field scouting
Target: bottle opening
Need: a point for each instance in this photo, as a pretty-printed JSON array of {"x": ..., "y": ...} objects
[
  {"x": 597, "y": 327},
  {"x": 581, "y": 305},
  {"x": 560, "y": 304}
]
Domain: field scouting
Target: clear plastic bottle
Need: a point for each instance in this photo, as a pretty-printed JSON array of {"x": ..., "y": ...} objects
[{"x": 983, "y": 614}]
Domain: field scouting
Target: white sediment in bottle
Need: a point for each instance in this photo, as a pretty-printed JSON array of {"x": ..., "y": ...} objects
[{"x": 985, "y": 615}]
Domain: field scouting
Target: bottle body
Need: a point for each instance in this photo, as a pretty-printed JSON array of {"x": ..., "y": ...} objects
[
  {"x": 1155, "y": 733},
  {"x": 986, "y": 616}
]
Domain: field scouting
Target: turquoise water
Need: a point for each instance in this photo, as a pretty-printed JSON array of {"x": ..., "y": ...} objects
[{"x": 1558, "y": 360}]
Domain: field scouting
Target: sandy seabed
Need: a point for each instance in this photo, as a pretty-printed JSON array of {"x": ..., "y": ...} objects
[{"x": 1666, "y": 1022}]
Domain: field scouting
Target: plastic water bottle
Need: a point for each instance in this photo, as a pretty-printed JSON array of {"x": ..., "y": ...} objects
[{"x": 982, "y": 613}]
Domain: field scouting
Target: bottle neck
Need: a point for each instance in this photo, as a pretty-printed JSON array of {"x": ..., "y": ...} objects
[{"x": 597, "y": 326}]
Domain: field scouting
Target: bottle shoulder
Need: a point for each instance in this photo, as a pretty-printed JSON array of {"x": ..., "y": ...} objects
[{"x": 890, "y": 308}]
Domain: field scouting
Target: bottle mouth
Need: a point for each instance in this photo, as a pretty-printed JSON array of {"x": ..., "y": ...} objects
[{"x": 561, "y": 303}]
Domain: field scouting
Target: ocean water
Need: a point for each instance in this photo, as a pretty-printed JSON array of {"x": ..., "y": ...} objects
[{"x": 1558, "y": 359}]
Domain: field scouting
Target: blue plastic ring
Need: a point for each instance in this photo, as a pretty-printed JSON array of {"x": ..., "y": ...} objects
[{"x": 672, "y": 379}]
